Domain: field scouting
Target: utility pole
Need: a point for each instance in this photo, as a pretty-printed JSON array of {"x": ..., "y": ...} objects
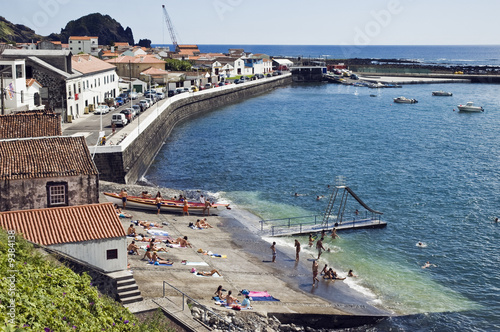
[{"x": 2, "y": 94}]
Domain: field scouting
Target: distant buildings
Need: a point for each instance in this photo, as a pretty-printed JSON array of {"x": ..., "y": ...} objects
[{"x": 78, "y": 44}]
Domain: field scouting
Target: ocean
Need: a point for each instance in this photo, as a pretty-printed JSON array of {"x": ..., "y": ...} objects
[
  {"x": 479, "y": 55},
  {"x": 431, "y": 170}
]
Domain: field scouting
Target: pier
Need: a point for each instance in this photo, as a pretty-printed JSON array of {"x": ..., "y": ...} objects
[{"x": 315, "y": 224}]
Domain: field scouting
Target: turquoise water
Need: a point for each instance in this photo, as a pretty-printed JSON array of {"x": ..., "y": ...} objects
[{"x": 432, "y": 171}]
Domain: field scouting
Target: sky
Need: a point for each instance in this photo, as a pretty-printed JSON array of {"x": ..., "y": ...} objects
[{"x": 280, "y": 22}]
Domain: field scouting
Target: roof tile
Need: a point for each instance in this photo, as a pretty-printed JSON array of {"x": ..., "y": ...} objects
[
  {"x": 65, "y": 224},
  {"x": 30, "y": 124}
]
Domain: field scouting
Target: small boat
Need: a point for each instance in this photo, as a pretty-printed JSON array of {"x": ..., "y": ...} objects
[
  {"x": 404, "y": 100},
  {"x": 469, "y": 107},
  {"x": 442, "y": 93},
  {"x": 167, "y": 205}
]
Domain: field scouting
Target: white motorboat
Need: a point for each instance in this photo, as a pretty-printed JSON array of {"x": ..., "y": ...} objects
[
  {"x": 469, "y": 107},
  {"x": 404, "y": 100},
  {"x": 442, "y": 93}
]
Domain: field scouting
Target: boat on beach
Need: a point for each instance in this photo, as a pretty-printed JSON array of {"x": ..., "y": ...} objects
[
  {"x": 469, "y": 107},
  {"x": 404, "y": 100},
  {"x": 167, "y": 205},
  {"x": 442, "y": 93}
]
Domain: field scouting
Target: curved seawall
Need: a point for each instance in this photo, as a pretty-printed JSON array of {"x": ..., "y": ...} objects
[{"x": 128, "y": 155}]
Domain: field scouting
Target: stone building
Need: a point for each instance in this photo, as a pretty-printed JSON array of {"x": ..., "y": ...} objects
[
  {"x": 46, "y": 172},
  {"x": 90, "y": 233},
  {"x": 133, "y": 66}
]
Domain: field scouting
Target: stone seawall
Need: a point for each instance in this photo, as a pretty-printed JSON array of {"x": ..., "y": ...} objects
[{"x": 127, "y": 163}]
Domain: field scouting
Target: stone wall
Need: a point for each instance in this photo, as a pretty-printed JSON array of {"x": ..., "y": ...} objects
[{"x": 139, "y": 155}]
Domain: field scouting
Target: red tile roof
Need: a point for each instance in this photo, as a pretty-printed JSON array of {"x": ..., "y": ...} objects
[
  {"x": 85, "y": 63},
  {"x": 23, "y": 125},
  {"x": 30, "y": 158},
  {"x": 65, "y": 224},
  {"x": 136, "y": 59},
  {"x": 31, "y": 81}
]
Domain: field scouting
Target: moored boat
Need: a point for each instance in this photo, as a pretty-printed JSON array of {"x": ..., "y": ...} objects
[
  {"x": 469, "y": 107},
  {"x": 404, "y": 100},
  {"x": 167, "y": 205},
  {"x": 442, "y": 93}
]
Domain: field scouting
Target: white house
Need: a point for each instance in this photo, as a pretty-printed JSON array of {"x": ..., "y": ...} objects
[
  {"x": 78, "y": 44},
  {"x": 93, "y": 81},
  {"x": 33, "y": 90},
  {"x": 14, "y": 83},
  {"x": 90, "y": 233}
]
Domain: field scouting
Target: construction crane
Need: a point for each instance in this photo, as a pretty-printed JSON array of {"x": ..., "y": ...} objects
[{"x": 170, "y": 26}]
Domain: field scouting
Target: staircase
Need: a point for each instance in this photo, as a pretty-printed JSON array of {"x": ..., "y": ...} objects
[{"x": 128, "y": 291}]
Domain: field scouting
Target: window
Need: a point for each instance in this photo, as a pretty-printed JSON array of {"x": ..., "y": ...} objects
[
  {"x": 19, "y": 71},
  {"x": 112, "y": 254},
  {"x": 22, "y": 97},
  {"x": 57, "y": 194}
]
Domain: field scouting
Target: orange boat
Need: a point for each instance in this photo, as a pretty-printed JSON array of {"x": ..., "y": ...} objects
[{"x": 167, "y": 205}]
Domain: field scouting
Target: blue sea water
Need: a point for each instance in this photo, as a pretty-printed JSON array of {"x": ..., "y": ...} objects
[
  {"x": 434, "y": 172},
  {"x": 477, "y": 55}
]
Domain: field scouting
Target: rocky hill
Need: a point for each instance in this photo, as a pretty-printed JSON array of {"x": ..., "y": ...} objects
[
  {"x": 17, "y": 33},
  {"x": 103, "y": 26}
]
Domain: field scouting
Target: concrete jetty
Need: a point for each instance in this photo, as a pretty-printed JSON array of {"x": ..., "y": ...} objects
[{"x": 245, "y": 264}]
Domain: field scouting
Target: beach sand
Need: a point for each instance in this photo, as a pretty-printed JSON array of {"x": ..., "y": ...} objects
[{"x": 247, "y": 265}]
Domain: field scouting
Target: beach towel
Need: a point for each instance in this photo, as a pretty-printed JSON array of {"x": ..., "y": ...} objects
[
  {"x": 263, "y": 298},
  {"x": 218, "y": 256},
  {"x": 173, "y": 245},
  {"x": 158, "y": 264},
  {"x": 258, "y": 294},
  {"x": 195, "y": 263},
  {"x": 157, "y": 232},
  {"x": 215, "y": 275}
]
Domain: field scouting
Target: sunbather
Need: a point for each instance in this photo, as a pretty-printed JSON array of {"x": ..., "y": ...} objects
[
  {"x": 154, "y": 247},
  {"x": 157, "y": 259},
  {"x": 133, "y": 249},
  {"x": 147, "y": 224},
  {"x": 181, "y": 241},
  {"x": 230, "y": 300},
  {"x": 246, "y": 303},
  {"x": 131, "y": 231},
  {"x": 204, "y": 223},
  {"x": 120, "y": 213},
  {"x": 219, "y": 294},
  {"x": 208, "y": 274},
  {"x": 148, "y": 254}
]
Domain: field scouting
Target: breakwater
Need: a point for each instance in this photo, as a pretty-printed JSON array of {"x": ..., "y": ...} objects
[{"x": 128, "y": 156}]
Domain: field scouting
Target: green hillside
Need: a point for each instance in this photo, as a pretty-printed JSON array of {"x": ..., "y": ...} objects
[
  {"x": 16, "y": 33},
  {"x": 37, "y": 294}
]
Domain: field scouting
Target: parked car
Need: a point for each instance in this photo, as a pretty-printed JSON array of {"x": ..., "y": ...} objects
[
  {"x": 133, "y": 95},
  {"x": 119, "y": 119},
  {"x": 269, "y": 75},
  {"x": 102, "y": 109},
  {"x": 128, "y": 114},
  {"x": 172, "y": 93},
  {"x": 124, "y": 97},
  {"x": 151, "y": 95},
  {"x": 238, "y": 81},
  {"x": 150, "y": 101},
  {"x": 160, "y": 95},
  {"x": 119, "y": 101},
  {"x": 137, "y": 109},
  {"x": 145, "y": 103},
  {"x": 259, "y": 76},
  {"x": 186, "y": 89},
  {"x": 194, "y": 88},
  {"x": 208, "y": 85},
  {"x": 179, "y": 91}
]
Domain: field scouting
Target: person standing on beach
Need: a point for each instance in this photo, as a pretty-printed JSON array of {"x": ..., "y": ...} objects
[
  {"x": 207, "y": 207},
  {"x": 273, "y": 248},
  {"x": 315, "y": 272},
  {"x": 185, "y": 208},
  {"x": 311, "y": 240},
  {"x": 158, "y": 203},
  {"x": 319, "y": 246},
  {"x": 202, "y": 199},
  {"x": 123, "y": 195},
  {"x": 297, "y": 250}
]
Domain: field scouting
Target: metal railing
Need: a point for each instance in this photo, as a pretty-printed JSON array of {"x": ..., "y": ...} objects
[{"x": 203, "y": 307}]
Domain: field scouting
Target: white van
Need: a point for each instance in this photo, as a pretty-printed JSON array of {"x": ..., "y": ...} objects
[{"x": 119, "y": 119}]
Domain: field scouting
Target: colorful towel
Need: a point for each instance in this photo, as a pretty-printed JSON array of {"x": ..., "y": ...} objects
[
  {"x": 263, "y": 298},
  {"x": 215, "y": 275},
  {"x": 218, "y": 256},
  {"x": 259, "y": 294},
  {"x": 151, "y": 263}
]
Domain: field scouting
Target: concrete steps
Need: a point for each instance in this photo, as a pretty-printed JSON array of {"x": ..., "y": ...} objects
[{"x": 128, "y": 291}]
